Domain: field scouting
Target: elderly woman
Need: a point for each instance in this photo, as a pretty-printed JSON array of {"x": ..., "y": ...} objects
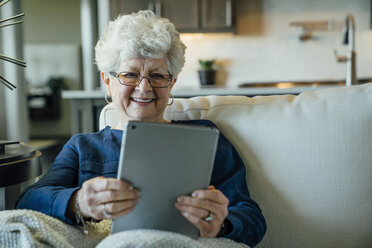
[{"x": 140, "y": 57}]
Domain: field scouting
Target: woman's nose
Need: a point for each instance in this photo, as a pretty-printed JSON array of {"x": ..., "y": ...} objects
[{"x": 144, "y": 85}]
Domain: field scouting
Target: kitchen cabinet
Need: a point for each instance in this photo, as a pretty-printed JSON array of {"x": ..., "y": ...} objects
[
  {"x": 189, "y": 16},
  {"x": 128, "y": 6},
  {"x": 183, "y": 14},
  {"x": 216, "y": 14}
]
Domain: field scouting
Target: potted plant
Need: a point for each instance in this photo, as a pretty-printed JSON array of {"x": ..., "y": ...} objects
[{"x": 207, "y": 74}]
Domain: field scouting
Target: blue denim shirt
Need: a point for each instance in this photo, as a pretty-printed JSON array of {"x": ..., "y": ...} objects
[{"x": 86, "y": 156}]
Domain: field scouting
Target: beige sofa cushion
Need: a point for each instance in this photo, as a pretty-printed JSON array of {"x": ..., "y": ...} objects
[{"x": 308, "y": 159}]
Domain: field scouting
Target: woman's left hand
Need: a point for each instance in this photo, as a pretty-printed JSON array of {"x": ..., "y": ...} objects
[{"x": 201, "y": 205}]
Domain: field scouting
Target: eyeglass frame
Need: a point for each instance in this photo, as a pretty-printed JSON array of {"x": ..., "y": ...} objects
[{"x": 114, "y": 74}]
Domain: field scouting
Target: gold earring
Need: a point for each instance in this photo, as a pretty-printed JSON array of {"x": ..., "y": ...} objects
[{"x": 171, "y": 96}]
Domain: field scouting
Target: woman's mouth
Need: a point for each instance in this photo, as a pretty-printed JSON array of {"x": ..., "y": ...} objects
[{"x": 142, "y": 100}]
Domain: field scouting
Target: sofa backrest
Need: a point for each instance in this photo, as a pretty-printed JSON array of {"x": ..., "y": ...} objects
[{"x": 308, "y": 159}]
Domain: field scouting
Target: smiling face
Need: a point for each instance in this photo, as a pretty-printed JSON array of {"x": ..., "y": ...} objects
[{"x": 141, "y": 102}]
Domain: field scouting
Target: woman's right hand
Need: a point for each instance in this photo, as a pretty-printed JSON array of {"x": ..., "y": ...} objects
[{"x": 106, "y": 198}]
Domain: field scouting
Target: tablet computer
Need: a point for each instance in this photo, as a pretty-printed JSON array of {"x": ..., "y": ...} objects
[{"x": 164, "y": 161}]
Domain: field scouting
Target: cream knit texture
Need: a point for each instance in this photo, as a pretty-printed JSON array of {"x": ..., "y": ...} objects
[
  {"x": 162, "y": 239},
  {"x": 31, "y": 229}
]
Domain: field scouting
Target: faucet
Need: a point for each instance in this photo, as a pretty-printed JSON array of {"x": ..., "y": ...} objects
[{"x": 349, "y": 39}]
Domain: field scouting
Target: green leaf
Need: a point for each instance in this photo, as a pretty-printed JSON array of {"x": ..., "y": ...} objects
[{"x": 206, "y": 65}]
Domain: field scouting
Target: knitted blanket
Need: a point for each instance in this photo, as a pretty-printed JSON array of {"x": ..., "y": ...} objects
[
  {"x": 29, "y": 229},
  {"x": 162, "y": 239}
]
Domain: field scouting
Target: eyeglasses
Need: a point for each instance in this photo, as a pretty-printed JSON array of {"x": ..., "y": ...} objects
[{"x": 156, "y": 80}]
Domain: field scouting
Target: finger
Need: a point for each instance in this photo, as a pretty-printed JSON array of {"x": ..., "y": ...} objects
[
  {"x": 110, "y": 210},
  {"x": 114, "y": 208},
  {"x": 115, "y": 195},
  {"x": 218, "y": 209},
  {"x": 105, "y": 214},
  {"x": 102, "y": 183},
  {"x": 200, "y": 203},
  {"x": 195, "y": 211},
  {"x": 198, "y": 222},
  {"x": 122, "y": 213},
  {"x": 207, "y": 229},
  {"x": 90, "y": 202},
  {"x": 211, "y": 194}
]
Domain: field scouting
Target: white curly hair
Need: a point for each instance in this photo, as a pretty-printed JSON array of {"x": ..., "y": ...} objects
[{"x": 140, "y": 35}]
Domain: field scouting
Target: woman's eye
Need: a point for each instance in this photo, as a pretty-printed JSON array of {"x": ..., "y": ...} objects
[
  {"x": 129, "y": 75},
  {"x": 157, "y": 76}
]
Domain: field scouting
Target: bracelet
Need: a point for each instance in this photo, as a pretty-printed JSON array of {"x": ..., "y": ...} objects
[{"x": 79, "y": 217}]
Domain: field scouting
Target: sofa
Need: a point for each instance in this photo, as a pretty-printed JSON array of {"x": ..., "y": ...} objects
[{"x": 308, "y": 159}]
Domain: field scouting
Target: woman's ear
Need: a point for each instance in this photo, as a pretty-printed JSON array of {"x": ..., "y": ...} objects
[
  {"x": 173, "y": 82},
  {"x": 106, "y": 81}
]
